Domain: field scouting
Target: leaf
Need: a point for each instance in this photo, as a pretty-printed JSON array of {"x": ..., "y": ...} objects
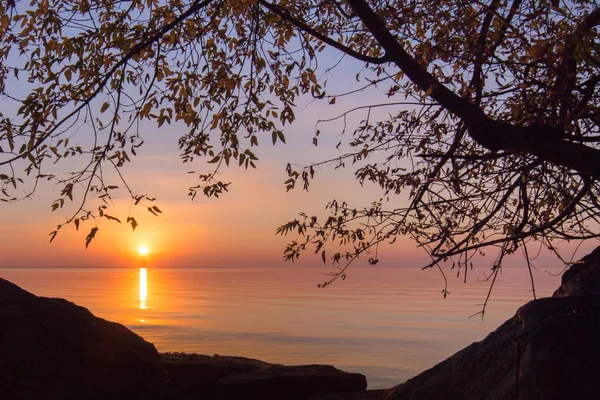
[
  {"x": 104, "y": 107},
  {"x": 110, "y": 217},
  {"x": 9, "y": 136},
  {"x": 90, "y": 236},
  {"x": 133, "y": 222},
  {"x": 5, "y": 21},
  {"x": 537, "y": 49},
  {"x": 76, "y": 222}
]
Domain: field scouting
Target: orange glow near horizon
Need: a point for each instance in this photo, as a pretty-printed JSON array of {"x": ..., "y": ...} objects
[{"x": 236, "y": 230}]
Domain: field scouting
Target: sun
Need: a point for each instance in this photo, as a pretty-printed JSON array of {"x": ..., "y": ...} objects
[{"x": 143, "y": 250}]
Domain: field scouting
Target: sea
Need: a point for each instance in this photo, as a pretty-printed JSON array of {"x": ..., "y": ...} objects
[{"x": 387, "y": 323}]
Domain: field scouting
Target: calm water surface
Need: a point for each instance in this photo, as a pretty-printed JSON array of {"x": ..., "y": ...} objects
[{"x": 387, "y": 323}]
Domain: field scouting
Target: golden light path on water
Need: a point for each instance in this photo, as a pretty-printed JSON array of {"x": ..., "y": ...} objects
[{"x": 143, "y": 290}]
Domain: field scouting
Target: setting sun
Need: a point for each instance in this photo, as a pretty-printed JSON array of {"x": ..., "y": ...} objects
[{"x": 143, "y": 250}]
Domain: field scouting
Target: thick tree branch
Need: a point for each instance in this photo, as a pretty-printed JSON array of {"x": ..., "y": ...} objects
[
  {"x": 287, "y": 16},
  {"x": 416, "y": 73},
  {"x": 494, "y": 135},
  {"x": 590, "y": 21}
]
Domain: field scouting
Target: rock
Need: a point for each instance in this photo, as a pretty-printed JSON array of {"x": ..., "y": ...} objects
[
  {"x": 548, "y": 350},
  {"x": 582, "y": 277},
  {"x": 289, "y": 382},
  {"x": 194, "y": 376},
  {"x": 54, "y": 349},
  {"x": 365, "y": 395}
]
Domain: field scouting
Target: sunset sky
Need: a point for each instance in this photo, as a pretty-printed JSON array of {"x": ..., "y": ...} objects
[
  {"x": 235, "y": 230},
  {"x": 421, "y": 158}
]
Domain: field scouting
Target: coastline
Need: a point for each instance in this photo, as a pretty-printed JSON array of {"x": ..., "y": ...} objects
[
  {"x": 54, "y": 349},
  {"x": 388, "y": 325}
]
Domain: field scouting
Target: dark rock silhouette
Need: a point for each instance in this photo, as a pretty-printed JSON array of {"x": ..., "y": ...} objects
[
  {"x": 289, "y": 382},
  {"x": 193, "y": 376},
  {"x": 54, "y": 349},
  {"x": 582, "y": 278},
  {"x": 548, "y": 350},
  {"x": 378, "y": 394}
]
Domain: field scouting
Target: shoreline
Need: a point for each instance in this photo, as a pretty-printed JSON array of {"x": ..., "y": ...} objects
[{"x": 51, "y": 348}]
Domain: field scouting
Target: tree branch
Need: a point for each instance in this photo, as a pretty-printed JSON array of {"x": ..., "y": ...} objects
[
  {"x": 287, "y": 16},
  {"x": 494, "y": 135}
]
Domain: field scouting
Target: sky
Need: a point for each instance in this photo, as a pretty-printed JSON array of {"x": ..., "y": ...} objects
[
  {"x": 238, "y": 229},
  {"x": 235, "y": 230}
]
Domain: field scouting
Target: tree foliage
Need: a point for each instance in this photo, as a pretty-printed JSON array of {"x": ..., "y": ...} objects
[{"x": 491, "y": 127}]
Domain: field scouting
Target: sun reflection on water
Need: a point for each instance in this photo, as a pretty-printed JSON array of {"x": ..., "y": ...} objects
[{"x": 143, "y": 288}]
